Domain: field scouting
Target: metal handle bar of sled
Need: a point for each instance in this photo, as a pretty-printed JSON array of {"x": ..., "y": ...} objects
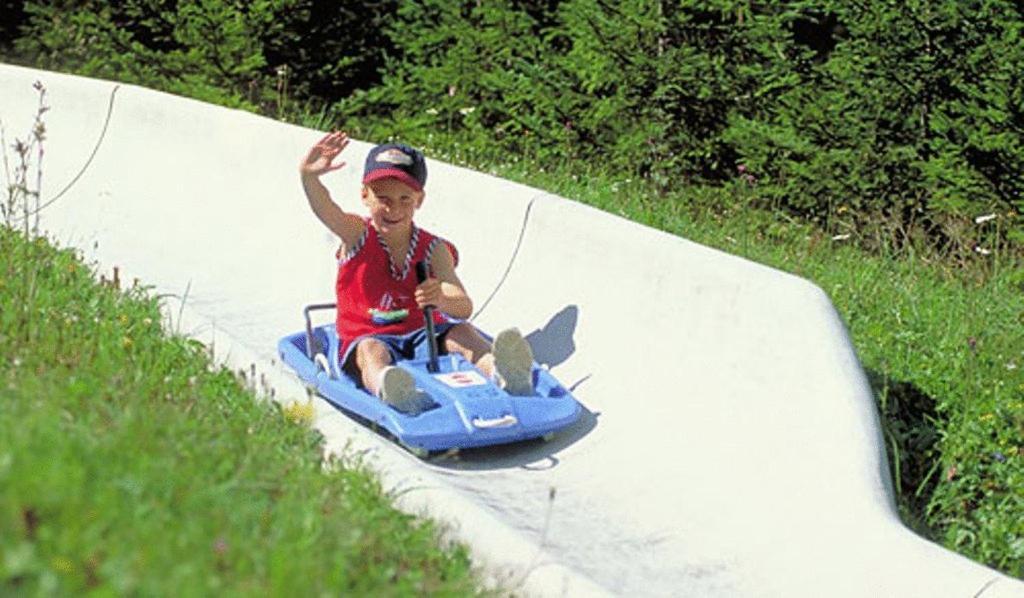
[
  {"x": 428, "y": 317},
  {"x": 310, "y": 352}
]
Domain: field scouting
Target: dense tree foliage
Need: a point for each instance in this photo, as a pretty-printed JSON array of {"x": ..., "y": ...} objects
[
  {"x": 12, "y": 17},
  {"x": 899, "y": 119},
  {"x": 909, "y": 120},
  {"x": 255, "y": 55},
  {"x": 891, "y": 122}
]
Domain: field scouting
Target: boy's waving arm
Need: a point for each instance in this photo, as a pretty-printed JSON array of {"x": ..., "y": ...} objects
[
  {"x": 318, "y": 162},
  {"x": 444, "y": 290}
]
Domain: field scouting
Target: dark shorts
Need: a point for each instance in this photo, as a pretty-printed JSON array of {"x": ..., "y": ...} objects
[{"x": 401, "y": 346}]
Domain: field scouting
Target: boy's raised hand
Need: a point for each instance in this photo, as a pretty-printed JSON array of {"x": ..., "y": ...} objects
[{"x": 318, "y": 160}]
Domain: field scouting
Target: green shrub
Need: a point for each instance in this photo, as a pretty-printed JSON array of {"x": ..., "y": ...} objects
[
  {"x": 258, "y": 56},
  {"x": 14, "y": 17},
  {"x": 896, "y": 124},
  {"x": 466, "y": 69},
  {"x": 909, "y": 121}
]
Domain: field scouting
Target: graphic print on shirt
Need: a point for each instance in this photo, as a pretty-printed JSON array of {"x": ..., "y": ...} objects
[{"x": 385, "y": 312}]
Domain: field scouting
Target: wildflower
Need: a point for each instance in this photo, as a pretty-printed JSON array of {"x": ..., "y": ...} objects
[
  {"x": 451, "y": 91},
  {"x": 982, "y": 250},
  {"x": 467, "y": 110},
  {"x": 998, "y": 456},
  {"x": 299, "y": 413},
  {"x": 220, "y": 546},
  {"x": 984, "y": 219},
  {"x": 741, "y": 168},
  {"x": 127, "y": 342},
  {"x": 841, "y": 237},
  {"x": 64, "y": 565},
  {"x": 951, "y": 473},
  {"x": 432, "y": 111}
]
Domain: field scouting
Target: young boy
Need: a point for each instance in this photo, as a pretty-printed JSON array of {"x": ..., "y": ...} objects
[{"x": 380, "y": 304}]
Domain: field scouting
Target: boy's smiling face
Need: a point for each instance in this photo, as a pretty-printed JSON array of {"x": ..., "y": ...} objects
[{"x": 391, "y": 204}]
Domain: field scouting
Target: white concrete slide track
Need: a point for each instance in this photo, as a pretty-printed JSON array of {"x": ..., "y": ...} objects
[{"x": 730, "y": 445}]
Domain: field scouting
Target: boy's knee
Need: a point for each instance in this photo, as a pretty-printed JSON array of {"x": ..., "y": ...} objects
[
  {"x": 461, "y": 329},
  {"x": 458, "y": 334},
  {"x": 372, "y": 351},
  {"x": 463, "y": 338}
]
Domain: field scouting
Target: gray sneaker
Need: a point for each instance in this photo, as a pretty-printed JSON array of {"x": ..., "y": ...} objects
[
  {"x": 513, "y": 359},
  {"x": 397, "y": 388}
]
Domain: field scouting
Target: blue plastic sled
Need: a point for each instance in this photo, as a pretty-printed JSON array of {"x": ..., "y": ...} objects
[{"x": 463, "y": 409}]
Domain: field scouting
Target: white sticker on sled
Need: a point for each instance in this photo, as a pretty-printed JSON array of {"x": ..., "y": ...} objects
[{"x": 462, "y": 379}]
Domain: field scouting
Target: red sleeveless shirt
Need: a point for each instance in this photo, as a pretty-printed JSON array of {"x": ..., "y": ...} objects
[{"x": 377, "y": 296}]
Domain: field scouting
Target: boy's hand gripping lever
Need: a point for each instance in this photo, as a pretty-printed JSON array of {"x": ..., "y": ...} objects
[{"x": 428, "y": 316}]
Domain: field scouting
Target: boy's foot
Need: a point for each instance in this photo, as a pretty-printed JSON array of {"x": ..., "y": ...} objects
[
  {"x": 513, "y": 360},
  {"x": 397, "y": 388}
]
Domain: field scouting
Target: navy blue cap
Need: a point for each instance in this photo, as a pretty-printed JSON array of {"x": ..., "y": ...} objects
[{"x": 398, "y": 161}]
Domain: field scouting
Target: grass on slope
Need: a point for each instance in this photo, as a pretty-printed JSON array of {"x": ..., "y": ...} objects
[{"x": 129, "y": 465}]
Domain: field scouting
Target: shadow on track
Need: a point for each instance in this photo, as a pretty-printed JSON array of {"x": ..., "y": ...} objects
[{"x": 553, "y": 344}]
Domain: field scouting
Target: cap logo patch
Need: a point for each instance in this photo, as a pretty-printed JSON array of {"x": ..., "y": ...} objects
[{"x": 394, "y": 156}]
